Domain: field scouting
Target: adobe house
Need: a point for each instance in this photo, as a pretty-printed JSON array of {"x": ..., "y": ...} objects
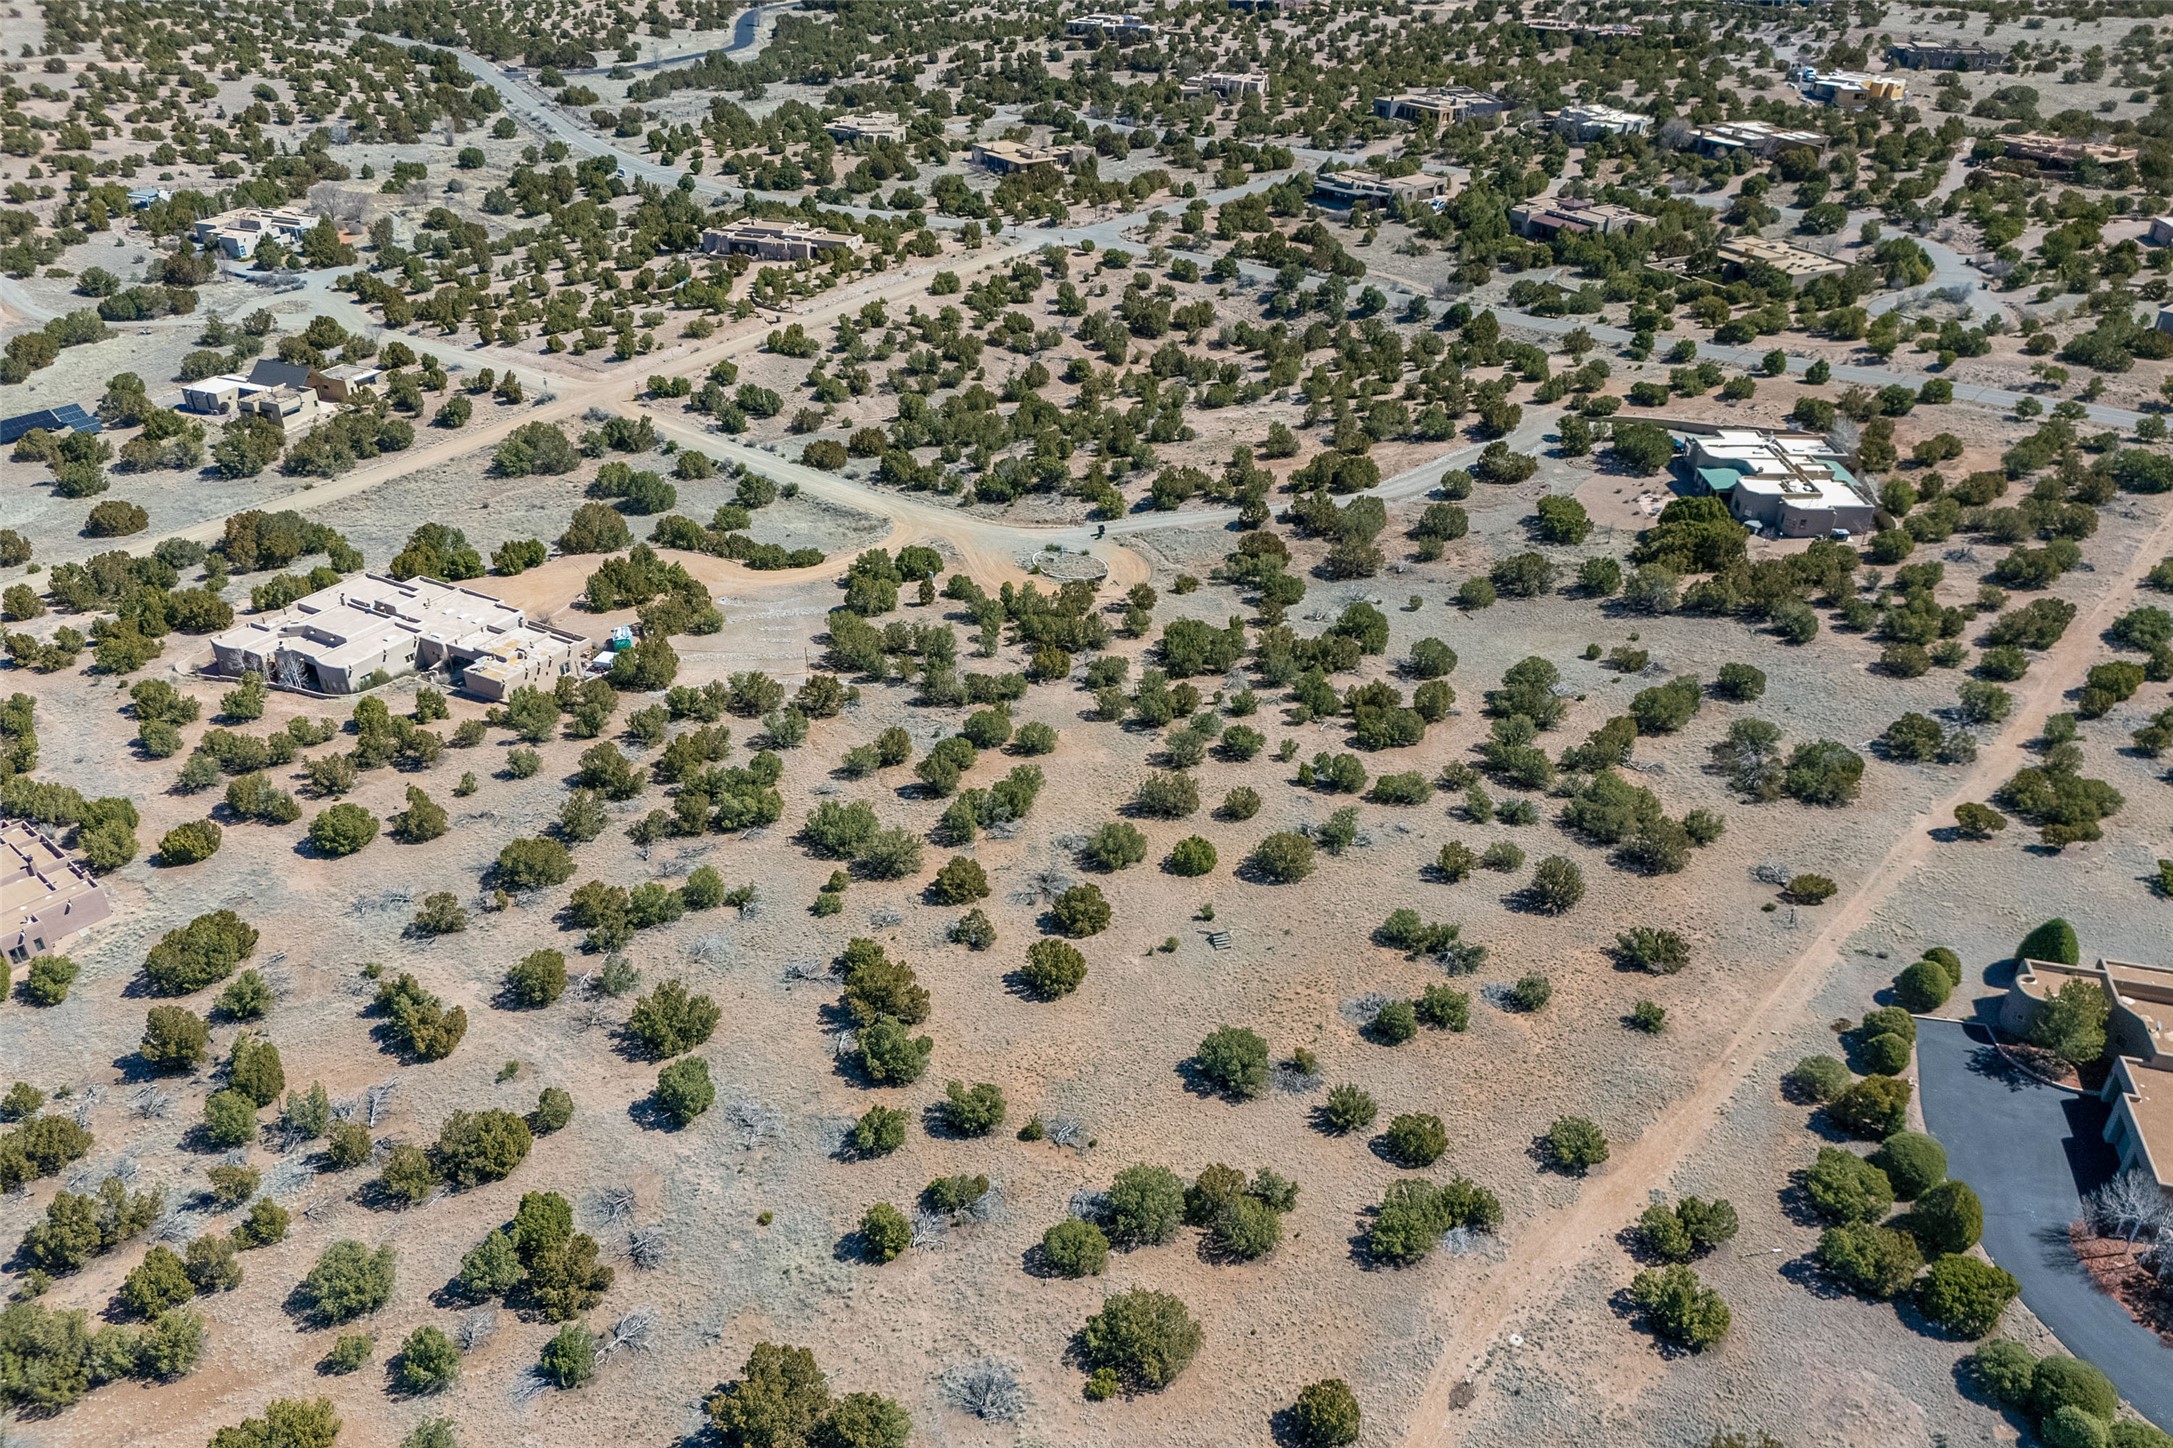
[
  {"x": 46, "y": 894},
  {"x": 2139, "y": 1088}
]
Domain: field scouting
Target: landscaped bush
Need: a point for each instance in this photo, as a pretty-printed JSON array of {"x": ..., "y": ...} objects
[
  {"x": 1965, "y": 1295},
  {"x": 1913, "y": 1162}
]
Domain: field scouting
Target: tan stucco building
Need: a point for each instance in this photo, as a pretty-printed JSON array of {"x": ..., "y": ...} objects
[
  {"x": 46, "y": 894},
  {"x": 2139, "y": 1089}
]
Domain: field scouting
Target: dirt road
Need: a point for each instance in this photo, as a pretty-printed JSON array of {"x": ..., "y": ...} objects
[{"x": 1550, "y": 1249}]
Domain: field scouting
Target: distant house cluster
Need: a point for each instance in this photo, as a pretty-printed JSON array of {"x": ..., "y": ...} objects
[
  {"x": 290, "y": 394},
  {"x": 46, "y": 894},
  {"x": 339, "y": 638},
  {"x": 1349, "y": 188},
  {"x": 1789, "y": 484},
  {"x": 1441, "y": 105},
  {"x": 2138, "y": 1089},
  {"x": 775, "y": 240},
  {"x": 237, "y": 234}
]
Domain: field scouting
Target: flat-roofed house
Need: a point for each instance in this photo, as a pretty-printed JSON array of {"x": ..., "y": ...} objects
[
  {"x": 2062, "y": 152},
  {"x": 337, "y": 384},
  {"x": 339, "y": 637},
  {"x": 1233, "y": 83},
  {"x": 1589, "y": 122},
  {"x": 775, "y": 240},
  {"x": 1005, "y": 157},
  {"x": 1760, "y": 138},
  {"x": 1788, "y": 483},
  {"x": 1124, "y": 29},
  {"x": 1348, "y": 188},
  {"x": 1440, "y": 105},
  {"x": 865, "y": 128},
  {"x": 1850, "y": 90},
  {"x": 1739, "y": 254},
  {"x": 1540, "y": 220},
  {"x": 1915, "y": 54},
  {"x": 46, "y": 894},
  {"x": 236, "y": 234}
]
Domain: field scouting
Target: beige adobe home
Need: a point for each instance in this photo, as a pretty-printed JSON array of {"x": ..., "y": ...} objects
[
  {"x": 2139, "y": 1088},
  {"x": 338, "y": 638},
  {"x": 46, "y": 894}
]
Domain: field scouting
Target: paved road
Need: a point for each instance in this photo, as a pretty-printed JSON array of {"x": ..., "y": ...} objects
[{"x": 2031, "y": 1151}]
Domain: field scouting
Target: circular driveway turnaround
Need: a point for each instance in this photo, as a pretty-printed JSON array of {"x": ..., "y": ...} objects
[{"x": 2031, "y": 1151}]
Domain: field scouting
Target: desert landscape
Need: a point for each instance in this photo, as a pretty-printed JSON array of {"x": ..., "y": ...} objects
[{"x": 810, "y": 726}]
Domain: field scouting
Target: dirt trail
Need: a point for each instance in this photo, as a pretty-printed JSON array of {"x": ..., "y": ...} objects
[{"x": 1550, "y": 1249}]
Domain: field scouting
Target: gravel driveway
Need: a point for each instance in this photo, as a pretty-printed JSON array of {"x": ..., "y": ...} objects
[{"x": 2031, "y": 1151}]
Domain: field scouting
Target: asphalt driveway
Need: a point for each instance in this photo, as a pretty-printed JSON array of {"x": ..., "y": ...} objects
[{"x": 2031, "y": 1151}]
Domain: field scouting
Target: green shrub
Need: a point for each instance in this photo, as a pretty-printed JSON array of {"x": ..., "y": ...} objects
[
  {"x": 342, "y": 830},
  {"x": 1234, "y": 1061},
  {"x": 1678, "y": 1307},
  {"x": 348, "y": 1281},
  {"x": 569, "y": 1358},
  {"x": 1326, "y": 1415},
  {"x": 1946, "y": 1218},
  {"x": 1416, "y": 1139},
  {"x": 684, "y": 1090},
  {"x": 428, "y": 1362},
  {"x": 1875, "y": 1107},
  {"x": 2004, "y": 1369},
  {"x": 2054, "y": 941},
  {"x": 190, "y": 843},
  {"x": 1053, "y": 969},
  {"x": 1870, "y": 1260},
  {"x": 1145, "y": 1337},
  {"x": 1073, "y": 1248},
  {"x": 1964, "y": 1295},
  {"x": 1146, "y": 1206},
  {"x": 1923, "y": 987},
  {"x": 1575, "y": 1145},
  {"x": 537, "y": 979},
  {"x": 884, "y": 1232},
  {"x": 1843, "y": 1187},
  {"x": 175, "y": 1038},
  {"x": 972, "y": 1110},
  {"x": 1913, "y": 1162},
  {"x": 1192, "y": 857},
  {"x": 2065, "y": 1382}
]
